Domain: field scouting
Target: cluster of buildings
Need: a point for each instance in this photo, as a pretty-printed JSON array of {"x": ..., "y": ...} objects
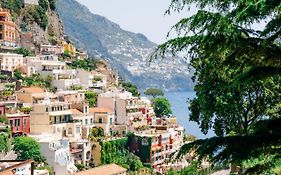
[{"x": 61, "y": 121}]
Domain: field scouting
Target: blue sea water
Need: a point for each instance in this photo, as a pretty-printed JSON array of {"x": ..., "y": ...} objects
[{"x": 179, "y": 102}]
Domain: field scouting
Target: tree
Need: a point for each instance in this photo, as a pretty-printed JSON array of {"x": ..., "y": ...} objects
[
  {"x": 25, "y": 52},
  {"x": 4, "y": 119},
  {"x": 91, "y": 98},
  {"x": 52, "y": 4},
  {"x": 97, "y": 132},
  {"x": 131, "y": 88},
  {"x": 27, "y": 148},
  {"x": 162, "y": 107},
  {"x": 154, "y": 92},
  {"x": 237, "y": 74}
]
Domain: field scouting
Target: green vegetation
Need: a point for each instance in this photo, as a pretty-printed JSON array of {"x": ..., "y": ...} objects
[
  {"x": 5, "y": 141},
  {"x": 116, "y": 152},
  {"x": 162, "y": 107},
  {"x": 35, "y": 80},
  {"x": 86, "y": 64},
  {"x": 3, "y": 77},
  {"x": 81, "y": 167},
  {"x": 25, "y": 52},
  {"x": 52, "y": 4},
  {"x": 26, "y": 110},
  {"x": 27, "y": 148},
  {"x": 237, "y": 75},
  {"x": 97, "y": 132},
  {"x": 4, "y": 119},
  {"x": 131, "y": 88},
  {"x": 154, "y": 92},
  {"x": 194, "y": 170},
  {"x": 144, "y": 150},
  {"x": 91, "y": 97},
  {"x": 14, "y": 5},
  {"x": 76, "y": 87}
]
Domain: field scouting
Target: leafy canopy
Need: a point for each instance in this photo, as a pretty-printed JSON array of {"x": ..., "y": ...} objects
[
  {"x": 154, "y": 92},
  {"x": 162, "y": 107},
  {"x": 27, "y": 148},
  {"x": 237, "y": 75}
]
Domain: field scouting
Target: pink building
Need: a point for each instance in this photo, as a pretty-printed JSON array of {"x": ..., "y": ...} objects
[
  {"x": 2, "y": 109},
  {"x": 20, "y": 124}
]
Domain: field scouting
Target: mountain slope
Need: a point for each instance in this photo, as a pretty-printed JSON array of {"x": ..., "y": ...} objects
[{"x": 126, "y": 51}]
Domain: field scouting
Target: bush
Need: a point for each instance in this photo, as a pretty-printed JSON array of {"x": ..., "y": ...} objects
[
  {"x": 25, "y": 52},
  {"x": 91, "y": 98},
  {"x": 27, "y": 148}
]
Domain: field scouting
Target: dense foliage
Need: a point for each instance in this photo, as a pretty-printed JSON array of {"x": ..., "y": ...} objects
[
  {"x": 5, "y": 136},
  {"x": 162, "y": 107},
  {"x": 27, "y": 148},
  {"x": 91, "y": 97},
  {"x": 25, "y": 52},
  {"x": 36, "y": 14},
  {"x": 35, "y": 80},
  {"x": 130, "y": 87},
  {"x": 86, "y": 64},
  {"x": 116, "y": 152},
  {"x": 237, "y": 75},
  {"x": 154, "y": 92},
  {"x": 96, "y": 132}
]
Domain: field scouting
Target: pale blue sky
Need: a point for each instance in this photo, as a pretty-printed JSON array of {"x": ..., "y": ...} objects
[{"x": 140, "y": 16}]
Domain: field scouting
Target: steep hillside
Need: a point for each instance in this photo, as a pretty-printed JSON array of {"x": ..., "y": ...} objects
[
  {"x": 126, "y": 51},
  {"x": 37, "y": 24}
]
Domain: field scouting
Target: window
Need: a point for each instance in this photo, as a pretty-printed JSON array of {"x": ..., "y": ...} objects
[
  {"x": 100, "y": 120},
  {"x": 24, "y": 122},
  {"x": 86, "y": 109},
  {"x": 110, "y": 121},
  {"x": 53, "y": 108},
  {"x": 11, "y": 122},
  {"x": 55, "y": 119},
  {"x": 86, "y": 121},
  {"x": 91, "y": 120},
  {"x": 1, "y": 36},
  {"x": 47, "y": 109},
  {"x": 69, "y": 130},
  {"x": 17, "y": 122},
  {"x": 60, "y": 119}
]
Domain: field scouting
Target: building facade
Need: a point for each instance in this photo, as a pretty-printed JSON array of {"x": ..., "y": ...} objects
[
  {"x": 10, "y": 62},
  {"x": 20, "y": 124},
  {"x": 8, "y": 30}
]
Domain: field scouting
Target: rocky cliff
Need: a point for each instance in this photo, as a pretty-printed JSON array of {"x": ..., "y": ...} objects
[{"x": 37, "y": 24}]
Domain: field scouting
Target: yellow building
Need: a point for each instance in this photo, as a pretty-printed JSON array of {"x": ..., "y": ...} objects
[{"x": 69, "y": 48}]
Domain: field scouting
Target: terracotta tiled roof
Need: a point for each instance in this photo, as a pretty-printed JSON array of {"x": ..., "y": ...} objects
[
  {"x": 111, "y": 169},
  {"x": 32, "y": 89},
  {"x": 100, "y": 110},
  {"x": 76, "y": 111}
]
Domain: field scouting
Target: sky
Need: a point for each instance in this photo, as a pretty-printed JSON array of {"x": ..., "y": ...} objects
[{"x": 139, "y": 16}]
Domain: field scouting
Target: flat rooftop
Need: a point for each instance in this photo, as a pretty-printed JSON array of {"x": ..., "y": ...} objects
[{"x": 111, "y": 169}]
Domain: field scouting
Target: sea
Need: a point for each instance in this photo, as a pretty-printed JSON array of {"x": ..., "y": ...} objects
[{"x": 179, "y": 102}]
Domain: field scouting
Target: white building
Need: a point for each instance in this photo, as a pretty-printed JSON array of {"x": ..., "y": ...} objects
[
  {"x": 30, "y": 2},
  {"x": 10, "y": 61},
  {"x": 91, "y": 79},
  {"x": 57, "y": 154},
  {"x": 124, "y": 105}
]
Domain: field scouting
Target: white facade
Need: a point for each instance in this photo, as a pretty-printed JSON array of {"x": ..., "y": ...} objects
[
  {"x": 10, "y": 62},
  {"x": 57, "y": 154},
  {"x": 122, "y": 103},
  {"x": 91, "y": 79},
  {"x": 30, "y": 2}
]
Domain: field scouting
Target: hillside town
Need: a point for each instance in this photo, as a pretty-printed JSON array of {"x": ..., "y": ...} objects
[{"x": 76, "y": 109}]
